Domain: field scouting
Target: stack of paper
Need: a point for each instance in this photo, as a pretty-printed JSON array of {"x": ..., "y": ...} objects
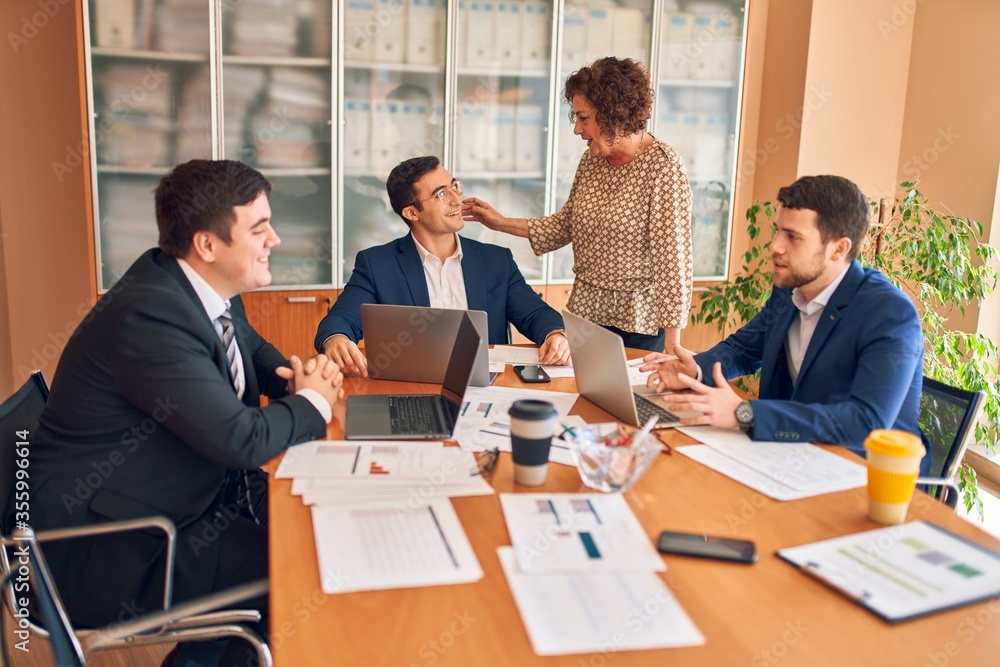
[
  {"x": 582, "y": 571},
  {"x": 381, "y": 514},
  {"x": 781, "y": 470},
  {"x": 375, "y": 471}
]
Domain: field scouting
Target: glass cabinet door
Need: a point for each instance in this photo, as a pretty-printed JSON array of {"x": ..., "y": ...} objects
[
  {"x": 589, "y": 33},
  {"x": 501, "y": 113},
  {"x": 393, "y": 109},
  {"x": 697, "y": 112},
  {"x": 277, "y": 117},
  {"x": 151, "y": 104}
]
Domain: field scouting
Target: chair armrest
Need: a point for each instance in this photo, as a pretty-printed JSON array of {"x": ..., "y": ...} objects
[
  {"x": 177, "y": 614},
  {"x": 217, "y": 618},
  {"x": 950, "y": 496},
  {"x": 125, "y": 525}
]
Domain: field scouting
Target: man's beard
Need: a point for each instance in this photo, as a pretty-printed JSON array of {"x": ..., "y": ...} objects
[{"x": 797, "y": 278}]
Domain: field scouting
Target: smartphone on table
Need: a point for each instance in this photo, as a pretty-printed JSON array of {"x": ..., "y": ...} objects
[
  {"x": 706, "y": 546},
  {"x": 532, "y": 374}
]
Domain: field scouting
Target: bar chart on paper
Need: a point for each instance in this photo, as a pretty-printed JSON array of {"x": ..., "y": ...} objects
[
  {"x": 581, "y": 533},
  {"x": 391, "y": 545}
]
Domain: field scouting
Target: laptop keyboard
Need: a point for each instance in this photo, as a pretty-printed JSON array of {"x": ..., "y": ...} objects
[
  {"x": 413, "y": 415},
  {"x": 647, "y": 409}
]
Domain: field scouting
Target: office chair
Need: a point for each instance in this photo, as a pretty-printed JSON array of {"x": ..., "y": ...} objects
[
  {"x": 189, "y": 621},
  {"x": 947, "y": 415}
]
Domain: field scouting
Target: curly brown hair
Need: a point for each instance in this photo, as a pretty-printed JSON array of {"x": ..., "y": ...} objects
[{"x": 619, "y": 91}]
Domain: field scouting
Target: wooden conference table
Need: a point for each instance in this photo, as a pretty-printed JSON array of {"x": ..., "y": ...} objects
[{"x": 759, "y": 615}]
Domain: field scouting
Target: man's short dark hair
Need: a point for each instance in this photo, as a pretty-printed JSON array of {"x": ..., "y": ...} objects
[
  {"x": 841, "y": 206},
  {"x": 199, "y": 196},
  {"x": 401, "y": 184}
]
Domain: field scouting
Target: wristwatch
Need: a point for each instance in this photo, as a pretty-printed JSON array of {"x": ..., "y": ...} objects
[{"x": 744, "y": 415}]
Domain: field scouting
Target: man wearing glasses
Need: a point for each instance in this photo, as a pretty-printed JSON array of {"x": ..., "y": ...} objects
[{"x": 433, "y": 266}]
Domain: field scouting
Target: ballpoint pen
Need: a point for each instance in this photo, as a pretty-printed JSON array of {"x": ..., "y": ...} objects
[{"x": 567, "y": 429}]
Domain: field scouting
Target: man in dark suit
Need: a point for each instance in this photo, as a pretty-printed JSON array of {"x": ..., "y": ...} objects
[
  {"x": 155, "y": 407},
  {"x": 433, "y": 266},
  {"x": 839, "y": 347}
]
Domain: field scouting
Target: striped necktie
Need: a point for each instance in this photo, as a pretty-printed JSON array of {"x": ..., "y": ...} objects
[{"x": 229, "y": 342}]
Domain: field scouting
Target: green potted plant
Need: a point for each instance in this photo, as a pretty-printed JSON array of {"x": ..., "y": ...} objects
[{"x": 935, "y": 257}]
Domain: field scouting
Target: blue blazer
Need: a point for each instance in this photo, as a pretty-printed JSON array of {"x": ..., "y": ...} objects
[
  {"x": 392, "y": 274},
  {"x": 863, "y": 368}
]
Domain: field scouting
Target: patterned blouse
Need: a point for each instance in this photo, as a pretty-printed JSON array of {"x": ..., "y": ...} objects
[{"x": 630, "y": 227}]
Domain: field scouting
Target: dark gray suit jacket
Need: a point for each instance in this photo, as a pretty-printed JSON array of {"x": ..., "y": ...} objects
[{"x": 143, "y": 420}]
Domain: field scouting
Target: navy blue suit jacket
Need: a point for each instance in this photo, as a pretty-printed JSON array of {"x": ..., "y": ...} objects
[
  {"x": 392, "y": 274},
  {"x": 863, "y": 368}
]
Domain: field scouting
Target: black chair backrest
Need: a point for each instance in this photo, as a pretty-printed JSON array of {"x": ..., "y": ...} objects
[
  {"x": 947, "y": 414},
  {"x": 18, "y": 414},
  {"x": 63, "y": 642}
]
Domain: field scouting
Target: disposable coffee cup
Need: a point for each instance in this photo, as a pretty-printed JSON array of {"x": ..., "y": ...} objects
[
  {"x": 532, "y": 424},
  {"x": 893, "y": 466}
]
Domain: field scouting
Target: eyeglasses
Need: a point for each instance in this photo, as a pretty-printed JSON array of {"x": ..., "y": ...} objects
[
  {"x": 486, "y": 461},
  {"x": 442, "y": 195}
]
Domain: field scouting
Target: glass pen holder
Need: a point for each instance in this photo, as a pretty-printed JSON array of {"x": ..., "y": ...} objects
[{"x": 613, "y": 462}]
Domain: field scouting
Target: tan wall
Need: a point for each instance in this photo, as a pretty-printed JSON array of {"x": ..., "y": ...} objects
[
  {"x": 855, "y": 92},
  {"x": 772, "y": 161},
  {"x": 950, "y": 138},
  {"x": 47, "y": 275}
]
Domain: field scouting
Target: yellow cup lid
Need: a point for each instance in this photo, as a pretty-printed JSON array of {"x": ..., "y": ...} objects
[{"x": 892, "y": 442}]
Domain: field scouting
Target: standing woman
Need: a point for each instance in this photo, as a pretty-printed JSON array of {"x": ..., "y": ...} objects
[{"x": 628, "y": 215}]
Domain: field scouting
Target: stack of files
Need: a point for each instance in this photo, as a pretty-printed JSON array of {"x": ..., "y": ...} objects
[
  {"x": 582, "y": 569},
  {"x": 181, "y": 26},
  {"x": 125, "y": 229},
  {"x": 381, "y": 514},
  {"x": 263, "y": 28},
  {"x": 780, "y": 470},
  {"x": 244, "y": 87},
  {"x": 341, "y": 472},
  {"x": 483, "y": 422},
  {"x": 194, "y": 119},
  {"x": 135, "y": 124}
]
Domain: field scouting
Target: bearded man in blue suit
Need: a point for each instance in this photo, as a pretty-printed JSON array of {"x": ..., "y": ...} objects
[
  {"x": 839, "y": 347},
  {"x": 433, "y": 266}
]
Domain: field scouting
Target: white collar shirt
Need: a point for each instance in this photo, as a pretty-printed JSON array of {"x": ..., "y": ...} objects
[
  {"x": 215, "y": 306},
  {"x": 801, "y": 332},
  {"x": 445, "y": 280}
]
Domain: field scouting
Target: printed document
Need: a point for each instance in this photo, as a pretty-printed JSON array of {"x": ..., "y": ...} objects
[
  {"x": 391, "y": 545},
  {"x": 780, "y": 470},
  {"x": 901, "y": 572},
  {"x": 577, "y": 532},
  {"x": 483, "y": 422},
  {"x": 586, "y": 613}
]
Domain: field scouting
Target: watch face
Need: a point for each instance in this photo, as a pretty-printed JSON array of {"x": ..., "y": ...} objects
[{"x": 744, "y": 413}]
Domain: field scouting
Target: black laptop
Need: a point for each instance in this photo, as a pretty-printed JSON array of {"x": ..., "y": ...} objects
[{"x": 417, "y": 416}]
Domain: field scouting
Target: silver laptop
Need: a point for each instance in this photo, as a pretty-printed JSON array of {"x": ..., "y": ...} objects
[
  {"x": 601, "y": 370},
  {"x": 417, "y": 416},
  {"x": 413, "y": 343}
]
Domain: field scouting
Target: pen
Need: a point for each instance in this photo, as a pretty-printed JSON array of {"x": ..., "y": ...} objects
[
  {"x": 646, "y": 429},
  {"x": 567, "y": 429}
]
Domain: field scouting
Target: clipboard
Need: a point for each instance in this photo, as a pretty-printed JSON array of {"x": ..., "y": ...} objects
[{"x": 902, "y": 572}]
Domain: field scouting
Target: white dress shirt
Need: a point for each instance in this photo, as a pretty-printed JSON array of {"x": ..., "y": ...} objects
[
  {"x": 801, "y": 331},
  {"x": 215, "y": 306},
  {"x": 445, "y": 280}
]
